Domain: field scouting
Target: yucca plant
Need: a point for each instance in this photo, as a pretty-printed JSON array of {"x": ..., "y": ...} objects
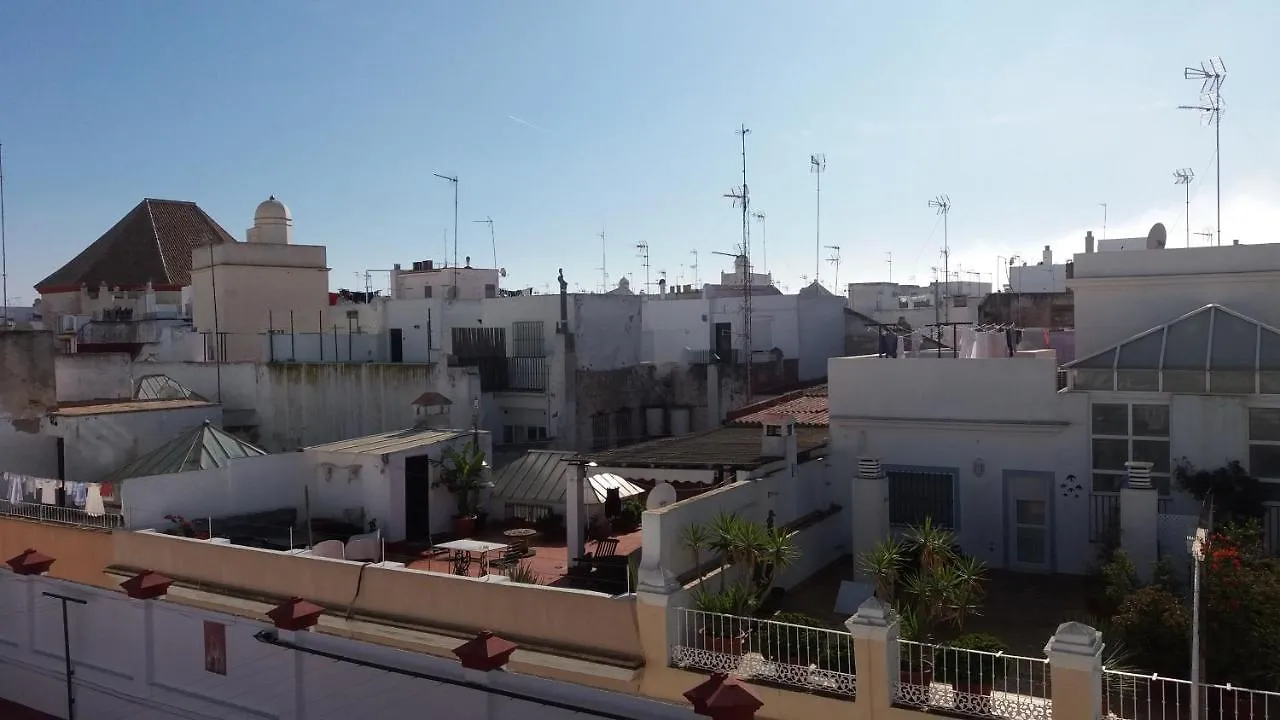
[
  {"x": 885, "y": 564},
  {"x": 523, "y": 572}
]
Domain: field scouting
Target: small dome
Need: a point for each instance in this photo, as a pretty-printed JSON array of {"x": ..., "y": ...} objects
[{"x": 272, "y": 209}]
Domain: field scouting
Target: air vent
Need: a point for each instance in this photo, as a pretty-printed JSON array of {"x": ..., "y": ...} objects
[
  {"x": 868, "y": 467},
  {"x": 1139, "y": 475}
]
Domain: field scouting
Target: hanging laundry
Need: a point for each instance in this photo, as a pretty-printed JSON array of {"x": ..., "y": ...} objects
[
  {"x": 48, "y": 491},
  {"x": 93, "y": 500}
]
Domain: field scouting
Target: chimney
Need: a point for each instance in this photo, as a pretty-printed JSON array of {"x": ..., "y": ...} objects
[
  {"x": 1088, "y": 242},
  {"x": 1139, "y": 475},
  {"x": 1048, "y": 255},
  {"x": 779, "y": 439},
  {"x": 428, "y": 264},
  {"x": 869, "y": 468}
]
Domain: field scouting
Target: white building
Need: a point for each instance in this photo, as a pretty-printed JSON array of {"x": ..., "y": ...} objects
[
  {"x": 918, "y": 305},
  {"x": 1043, "y": 277}
]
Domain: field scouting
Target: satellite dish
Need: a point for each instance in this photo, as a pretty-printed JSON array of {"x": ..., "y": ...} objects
[
  {"x": 1157, "y": 237},
  {"x": 660, "y": 496},
  {"x": 502, "y": 272}
]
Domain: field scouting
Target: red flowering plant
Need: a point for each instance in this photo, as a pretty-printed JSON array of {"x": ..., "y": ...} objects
[{"x": 1241, "y": 612}]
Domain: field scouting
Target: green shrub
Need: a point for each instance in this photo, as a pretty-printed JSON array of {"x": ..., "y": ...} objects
[
  {"x": 1156, "y": 627},
  {"x": 954, "y": 665},
  {"x": 1119, "y": 580},
  {"x": 808, "y": 644}
]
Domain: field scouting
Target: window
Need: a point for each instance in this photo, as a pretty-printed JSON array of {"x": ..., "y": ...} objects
[
  {"x": 535, "y": 433},
  {"x": 599, "y": 431},
  {"x": 1123, "y": 432},
  {"x": 622, "y": 427},
  {"x": 426, "y": 291},
  {"x": 916, "y": 495},
  {"x": 1264, "y": 448},
  {"x": 528, "y": 339},
  {"x": 490, "y": 290},
  {"x": 508, "y": 434}
]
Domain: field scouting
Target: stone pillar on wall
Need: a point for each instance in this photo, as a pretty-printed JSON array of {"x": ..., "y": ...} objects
[
  {"x": 1075, "y": 672},
  {"x": 870, "y": 505},
  {"x": 1140, "y": 519},
  {"x": 875, "y": 650}
]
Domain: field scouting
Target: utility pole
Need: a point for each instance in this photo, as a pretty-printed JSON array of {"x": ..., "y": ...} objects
[
  {"x": 604, "y": 272},
  {"x": 764, "y": 241},
  {"x": 643, "y": 249},
  {"x": 66, "y": 651},
  {"x": 817, "y": 166},
  {"x": 835, "y": 260},
  {"x": 942, "y": 204},
  {"x": 742, "y": 198},
  {"x": 1212, "y": 73},
  {"x": 454, "y": 180},
  {"x": 492, "y": 239},
  {"x": 1184, "y": 177},
  {"x": 4, "y": 255},
  {"x": 694, "y": 268}
]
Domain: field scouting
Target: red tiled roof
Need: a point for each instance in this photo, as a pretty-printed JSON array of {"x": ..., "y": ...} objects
[
  {"x": 152, "y": 243},
  {"x": 809, "y": 407}
]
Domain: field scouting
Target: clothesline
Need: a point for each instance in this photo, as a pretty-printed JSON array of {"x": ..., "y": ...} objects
[{"x": 26, "y": 489}]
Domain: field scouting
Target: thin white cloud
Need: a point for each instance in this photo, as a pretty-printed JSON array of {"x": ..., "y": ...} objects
[{"x": 524, "y": 122}]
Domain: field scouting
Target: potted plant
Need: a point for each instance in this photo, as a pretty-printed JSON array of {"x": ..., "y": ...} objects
[
  {"x": 463, "y": 473},
  {"x": 725, "y": 626},
  {"x": 973, "y": 674}
]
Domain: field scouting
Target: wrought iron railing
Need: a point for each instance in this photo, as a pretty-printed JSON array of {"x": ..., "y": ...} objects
[
  {"x": 973, "y": 682},
  {"x": 1133, "y": 696},
  {"x": 765, "y": 651},
  {"x": 61, "y": 515}
]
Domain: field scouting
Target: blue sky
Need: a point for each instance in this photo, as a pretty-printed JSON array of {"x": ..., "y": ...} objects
[{"x": 566, "y": 118}]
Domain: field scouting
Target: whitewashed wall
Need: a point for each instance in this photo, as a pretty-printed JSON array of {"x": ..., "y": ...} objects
[
  {"x": 93, "y": 376},
  {"x": 145, "y": 660},
  {"x": 27, "y": 453},
  {"x": 95, "y": 445},
  {"x": 246, "y": 485}
]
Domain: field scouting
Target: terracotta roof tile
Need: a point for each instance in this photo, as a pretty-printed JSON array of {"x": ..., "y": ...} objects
[
  {"x": 810, "y": 408},
  {"x": 152, "y": 243}
]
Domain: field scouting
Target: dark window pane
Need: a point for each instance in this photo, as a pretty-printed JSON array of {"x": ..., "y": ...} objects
[
  {"x": 1142, "y": 380},
  {"x": 1105, "y": 360},
  {"x": 914, "y": 496},
  {"x": 1110, "y": 454},
  {"x": 1264, "y": 424},
  {"x": 1151, "y": 421},
  {"x": 1235, "y": 343},
  {"x": 1110, "y": 419},
  {"x": 1087, "y": 379},
  {"x": 1264, "y": 461},
  {"x": 1269, "y": 356},
  {"x": 1270, "y": 382},
  {"x": 1184, "y": 381},
  {"x": 1155, "y": 452},
  {"x": 1271, "y": 492},
  {"x": 1141, "y": 354},
  {"x": 1231, "y": 382},
  {"x": 1187, "y": 343},
  {"x": 1107, "y": 483}
]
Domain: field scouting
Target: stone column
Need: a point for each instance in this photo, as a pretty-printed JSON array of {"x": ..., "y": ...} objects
[
  {"x": 875, "y": 651},
  {"x": 870, "y": 507},
  {"x": 575, "y": 513},
  {"x": 1075, "y": 672},
  {"x": 1140, "y": 519}
]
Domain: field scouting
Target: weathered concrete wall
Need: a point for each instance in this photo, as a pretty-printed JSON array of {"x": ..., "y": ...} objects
[
  {"x": 93, "y": 376},
  {"x": 95, "y": 445},
  {"x": 1033, "y": 310},
  {"x": 28, "y": 390}
]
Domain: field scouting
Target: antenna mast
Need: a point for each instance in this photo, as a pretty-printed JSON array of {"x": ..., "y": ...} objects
[
  {"x": 492, "y": 239},
  {"x": 694, "y": 268},
  {"x": 4, "y": 256},
  {"x": 1104, "y": 220},
  {"x": 1212, "y": 73},
  {"x": 604, "y": 272},
  {"x": 453, "y": 180},
  {"x": 835, "y": 260},
  {"x": 742, "y": 198},
  {"x": 1184, "y": 176},
  {"x": 817, "y": 166},
  {"x": 943, "y": 205},
  {"x": 764, "y": 241},
  {"x": 643, "y": 248},
  {"x": 889, "y": 255}
]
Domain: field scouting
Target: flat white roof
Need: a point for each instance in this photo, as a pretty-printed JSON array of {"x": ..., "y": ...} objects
[{"x": 389, "y": 442}]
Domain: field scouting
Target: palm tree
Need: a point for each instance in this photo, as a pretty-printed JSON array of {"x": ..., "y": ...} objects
[
  {"x": 462, "y": 472},
  {"x": 695, "y": 538}
]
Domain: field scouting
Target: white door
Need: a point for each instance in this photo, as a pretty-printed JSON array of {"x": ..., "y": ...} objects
[{"x": 1028, "y": 520}]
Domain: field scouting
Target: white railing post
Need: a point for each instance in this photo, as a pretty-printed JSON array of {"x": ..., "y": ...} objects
[
  {"x": 1075, "y": 672},
  {"x": 875, "y": 650}
]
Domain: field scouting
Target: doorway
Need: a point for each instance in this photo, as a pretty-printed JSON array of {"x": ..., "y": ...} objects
[
  {"x": 397, "y": 345},
  {"x": 1028, "y": 521},
  {"x": 417, "y": 497}
]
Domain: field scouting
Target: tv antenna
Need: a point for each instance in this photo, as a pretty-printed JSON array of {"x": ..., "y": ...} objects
[
  {"x": 835, "y": 260},
  {"x": 642, "y": 249},
  {"x": 741, "y": 197},
  {"x": 764, "y": 241},
  {"x": 1207, "y": 234},
  {"x": 817, "y": 166},
  {"x": 4, "y": 256},
  {"x": 604, "y": 272},
  {"x": 1184, "y": 176},
  {"x": 694, "y": 268},
  {"x": 1104, "y": 220},
  {"x": 492, "y": 238},
  {"x": 454, "y": 180},
  {"x": 942, "y": 204},
  {"x": 889, "y": 259},
  {"x": 1212, "y": 73}
]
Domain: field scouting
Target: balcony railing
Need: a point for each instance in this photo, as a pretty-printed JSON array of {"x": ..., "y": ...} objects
[
  {"x": 765, "y": 651},
  {"x": 527, "y": 374},
  {"x": 973, "y": 682},
  {"x": 119, "y": 332},
  {"x": 61, "y": 515}
]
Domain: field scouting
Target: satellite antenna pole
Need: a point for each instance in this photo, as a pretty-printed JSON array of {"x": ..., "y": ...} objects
[
  {"x": 4, "y": 257},
  {"x": 817, "y": 166},
  {"x": 742, "y": 198},
  {"x": 604, "y": 273},
  {"x": 694, "y": 268},
  {"x": 942, "y": 204},
  {"x": 1184, "y": 176},
  {"x": 643, "y": 248},
  {"x": 1104, "y": 220},
  {"x": 890, "y": 261},
  {"x": 835, "y": 260},
  {"x": 764, "y": 241},
  {"x": 492, "y": 239},
  {"x": 453, "y": 180},
  {"x": 1212, "y": 73}
]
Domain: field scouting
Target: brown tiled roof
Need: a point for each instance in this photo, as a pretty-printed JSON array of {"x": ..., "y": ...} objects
[
  {"x": 810, "y": 408},
  {"x": 732, "y": 446},
  {"x": 152, "y": 243}
]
